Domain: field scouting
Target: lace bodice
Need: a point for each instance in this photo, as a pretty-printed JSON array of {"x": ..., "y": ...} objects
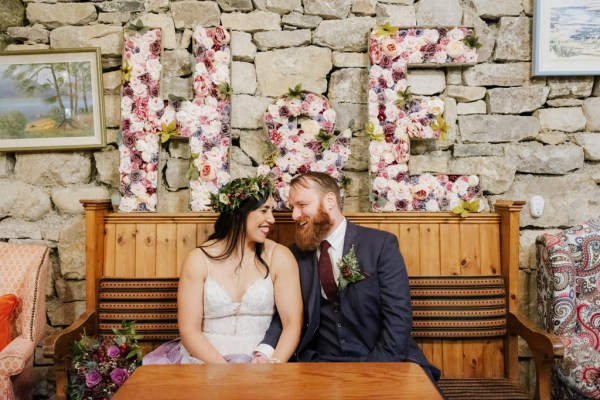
[
  {"x": 252, "y": 315},
  {"x": 237, "y": 327}
]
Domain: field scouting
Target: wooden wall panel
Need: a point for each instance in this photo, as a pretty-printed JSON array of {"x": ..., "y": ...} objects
[
  {"x": 186, "y": 242},
  {"x": 450, "y": 250},
  {"x": 489, "y": 238},
  {"x": 470, "y": 250},
  {"x": 408, "y": 236},
  {"x": 145, "y": 250},
  {"x": 125, "y": 250},
  {"x": 470, "y": 253},
  {"x": 166, "y": 250},
  {"x": 203, "y": 231},
  {"x": 429, "y": 249},
  {"x": 110, "y": 242}
]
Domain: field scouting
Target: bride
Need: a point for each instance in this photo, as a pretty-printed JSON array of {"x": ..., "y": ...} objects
[{"x": 231, "y": 285}]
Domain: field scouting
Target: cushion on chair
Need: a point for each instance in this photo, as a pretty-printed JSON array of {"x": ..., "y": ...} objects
[
  {"x": 7, "y": 305},
  {"x": 580, "y": 367}
]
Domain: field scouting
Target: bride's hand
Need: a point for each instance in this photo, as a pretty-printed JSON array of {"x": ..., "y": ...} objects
[{"x": 259, "y": 358}]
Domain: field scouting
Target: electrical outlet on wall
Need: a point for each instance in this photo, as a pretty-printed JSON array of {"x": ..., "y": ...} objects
[{"x": 536, "y": 206}]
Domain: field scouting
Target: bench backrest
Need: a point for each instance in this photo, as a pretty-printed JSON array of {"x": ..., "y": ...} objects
[
  {"x": 441, "y": 251},
  {"x": 461, "y": 307}
]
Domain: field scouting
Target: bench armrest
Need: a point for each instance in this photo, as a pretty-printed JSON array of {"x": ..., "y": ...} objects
[
  {"x": 57, "y": 345},
  {"x": 540, "y": 342},
  {"x": 545, "y": 348}
]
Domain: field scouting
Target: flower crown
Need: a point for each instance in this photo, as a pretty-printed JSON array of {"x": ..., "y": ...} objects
[{"x": 231, "y": 195}]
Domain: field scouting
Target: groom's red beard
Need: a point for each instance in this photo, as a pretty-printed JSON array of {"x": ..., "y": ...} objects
[{"x": 310, "y": 235}]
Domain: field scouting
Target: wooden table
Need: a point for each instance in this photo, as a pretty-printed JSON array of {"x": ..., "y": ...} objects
[{"x": 279, "y": 381}]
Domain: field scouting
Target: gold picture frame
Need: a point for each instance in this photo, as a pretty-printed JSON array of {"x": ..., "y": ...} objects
[{"x": 51, "y": 100}]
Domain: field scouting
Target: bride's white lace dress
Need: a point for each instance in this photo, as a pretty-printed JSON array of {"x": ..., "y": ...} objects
[{"x": 233, "y": 328}]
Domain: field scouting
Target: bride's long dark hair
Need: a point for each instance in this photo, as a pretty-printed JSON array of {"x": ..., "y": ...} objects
[{"x": 231, "y": 227}]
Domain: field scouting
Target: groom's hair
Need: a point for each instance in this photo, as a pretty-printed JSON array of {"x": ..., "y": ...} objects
[{"x": 323, "y": 182}]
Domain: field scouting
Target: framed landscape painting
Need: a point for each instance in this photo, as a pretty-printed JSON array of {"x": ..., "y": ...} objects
[
  {"x": 566, "y": 37},
  {"x": 51, "y": 100}
]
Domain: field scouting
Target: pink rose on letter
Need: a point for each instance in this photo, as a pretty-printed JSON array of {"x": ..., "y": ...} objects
[{"x": 208, "y": 171}]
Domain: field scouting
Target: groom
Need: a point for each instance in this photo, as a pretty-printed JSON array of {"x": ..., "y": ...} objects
[{"x": 370, "y": 318}]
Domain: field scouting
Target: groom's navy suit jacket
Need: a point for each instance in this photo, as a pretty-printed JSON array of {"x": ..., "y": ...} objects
[{"x": 379, "y": 307}]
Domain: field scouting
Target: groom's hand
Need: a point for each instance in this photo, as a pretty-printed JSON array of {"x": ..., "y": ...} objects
[{"x": 259, "y": 358}]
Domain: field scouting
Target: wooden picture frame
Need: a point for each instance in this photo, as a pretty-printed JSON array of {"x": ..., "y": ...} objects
[
  {"x": 565, "y": 37},
  {"x": 51, "y": 100}
]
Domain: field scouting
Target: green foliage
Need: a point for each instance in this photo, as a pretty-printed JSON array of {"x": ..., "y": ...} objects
[
  {"x": 56, "y": 114},
  {"x": 370, "y": 129},
  {"x": 167, "y": 130},
  {"x": 295, "y": 92},
  {"x": 192, "y": 173},
  {"x": 138, "y": 27},
  {"x": 349, "y": 269},
  {"x": 12, "y": 124},
  {"x": 404, "y": 97},
  {"x": 472, "y": 41},
  {"x": 225, "y": 91},
  {"x": 385, "y": 30},
  {"x": 465, "y": 207},
  {"x": 231, "y": 195},
  {"x": 440, "y": 125},
  {"x": 324, "y": 138}
]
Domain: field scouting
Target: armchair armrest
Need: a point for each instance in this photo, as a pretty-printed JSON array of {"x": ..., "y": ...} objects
[
  {"x": 544, "y": 346},
  {"x": 57, "y": 345},
  {"x": 14, "y": 357}
]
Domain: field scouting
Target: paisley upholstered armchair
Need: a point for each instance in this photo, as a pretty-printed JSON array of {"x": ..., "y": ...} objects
[
  {"x": 569, "y": 306},
  {"x": 23, "y": 271}
]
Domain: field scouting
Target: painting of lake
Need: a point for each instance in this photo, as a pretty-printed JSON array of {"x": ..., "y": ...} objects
[
  {"x": 574, "y": 30},
  {"x": 46, "y": 100}
]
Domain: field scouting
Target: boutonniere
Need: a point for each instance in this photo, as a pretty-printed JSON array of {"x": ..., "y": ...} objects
[{"x": 349, "y": 269}]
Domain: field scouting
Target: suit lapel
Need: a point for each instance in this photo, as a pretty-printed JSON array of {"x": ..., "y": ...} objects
[{"x": 350, "y": 239}]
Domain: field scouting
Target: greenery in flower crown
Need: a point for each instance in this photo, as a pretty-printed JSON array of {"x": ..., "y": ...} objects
[{"x": 231, "y": 195}]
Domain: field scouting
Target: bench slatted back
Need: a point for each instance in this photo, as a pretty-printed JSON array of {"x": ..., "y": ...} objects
[
  {"x": 472, "y": 307},
  {"x": 443, "y": 245}
]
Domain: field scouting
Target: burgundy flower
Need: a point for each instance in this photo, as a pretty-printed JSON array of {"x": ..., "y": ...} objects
[
  {"x": 386, "y": 62},
  {"x": 125, "y": 124},
  {"x": 145, "y": 78},
  {"x": 136, "y": 176},
  {"x": 221, "y": 35},
  {"x": 155, "y": 48},
  {"x": 284, "y": 111},
  {"x": 398, "y": 75},
  {"x": 153, "y": 90},
  {"x": 92, "y": 378},
  {"x": 127, "y": 91}
]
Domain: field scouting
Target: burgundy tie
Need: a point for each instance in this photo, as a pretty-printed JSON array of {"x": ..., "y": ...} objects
[{"x": 326, "y": 272}]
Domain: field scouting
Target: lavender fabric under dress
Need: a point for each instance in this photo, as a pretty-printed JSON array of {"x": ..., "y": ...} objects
[{"x": 233, "y": 328}]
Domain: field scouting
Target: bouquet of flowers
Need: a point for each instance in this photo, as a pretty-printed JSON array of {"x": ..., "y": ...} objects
[{"x": 99, "y": 368}]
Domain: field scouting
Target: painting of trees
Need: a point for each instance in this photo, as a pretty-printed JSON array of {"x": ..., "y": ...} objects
[{"x": 64, "y": 87}]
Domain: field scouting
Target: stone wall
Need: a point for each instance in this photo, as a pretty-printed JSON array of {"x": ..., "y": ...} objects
[{"x": 522, "y": 135}]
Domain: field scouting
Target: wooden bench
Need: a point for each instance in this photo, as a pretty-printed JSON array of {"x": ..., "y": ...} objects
[{"x": 463, "y": 274}]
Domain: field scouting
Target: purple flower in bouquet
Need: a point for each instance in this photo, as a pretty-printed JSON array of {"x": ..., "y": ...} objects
[
  {"x": 119, "y": 375},
  {"x": 92, "y": 378},
  {"x": 113, "y": 352}
]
